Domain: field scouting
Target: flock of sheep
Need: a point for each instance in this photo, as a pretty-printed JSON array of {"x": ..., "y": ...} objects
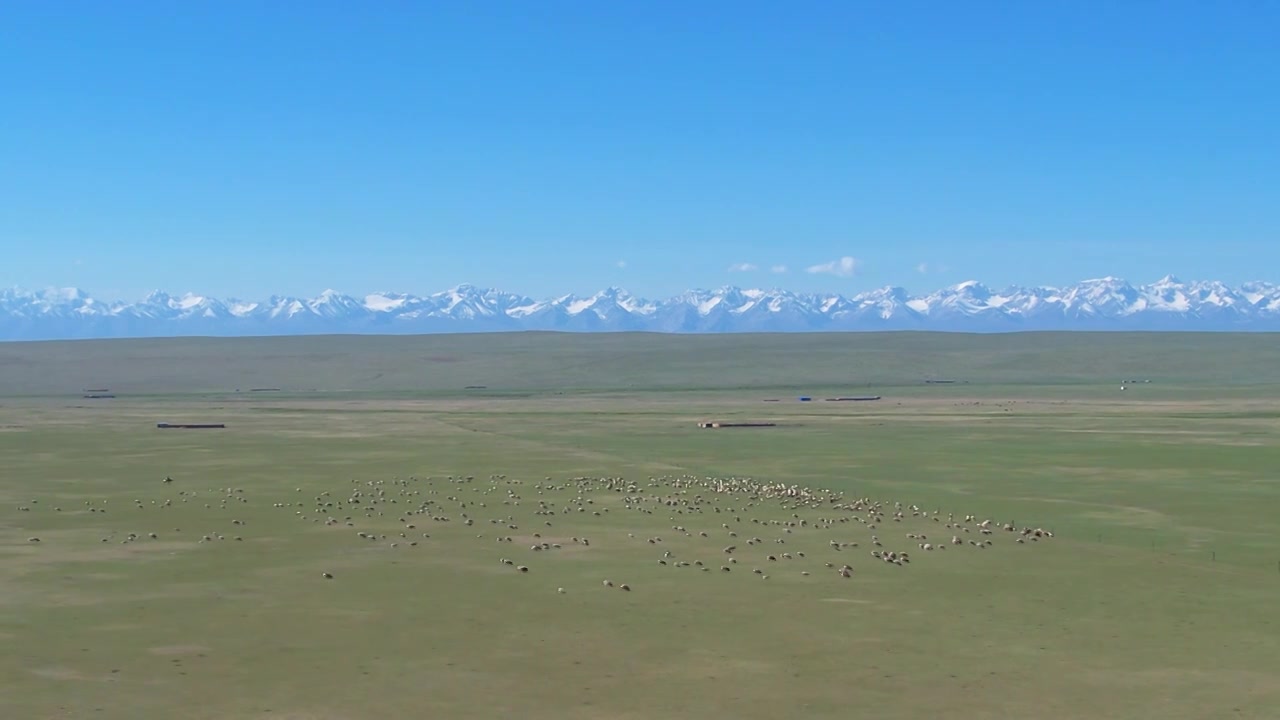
[
  {"x": 749, "y": 515},
  {"x": 717, "y": 524}
]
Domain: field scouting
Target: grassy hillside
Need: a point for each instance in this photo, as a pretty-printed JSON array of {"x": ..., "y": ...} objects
[{"x": 538, "y": 362}]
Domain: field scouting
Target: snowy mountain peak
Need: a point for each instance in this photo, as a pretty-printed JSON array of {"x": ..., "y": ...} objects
[
  {"x": 69, "y": 294},
  {"x": 1107, "y": 303}
]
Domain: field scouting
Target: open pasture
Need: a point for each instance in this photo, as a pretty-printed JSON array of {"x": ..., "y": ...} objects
[{"x": 338, "y": 550}]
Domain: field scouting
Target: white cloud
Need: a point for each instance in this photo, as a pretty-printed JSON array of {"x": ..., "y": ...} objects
[
  {"x": 742, "y": 267},
  {"x": 778, "y": 269},
  {"x": 844, "y": 267},
  {"x": 926, "y": 268},
  {"x": 923, "y": 268},
  {"x": 622, "y": 264}
]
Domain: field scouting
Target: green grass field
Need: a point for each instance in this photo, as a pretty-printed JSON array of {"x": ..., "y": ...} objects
[{"x": 1155, "y": 597}]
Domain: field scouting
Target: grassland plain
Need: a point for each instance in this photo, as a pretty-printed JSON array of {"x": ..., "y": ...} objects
[{"x": 1154, "y": 598}]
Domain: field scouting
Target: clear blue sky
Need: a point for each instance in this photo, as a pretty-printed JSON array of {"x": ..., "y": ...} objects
[{"x": 245, "y": 148}]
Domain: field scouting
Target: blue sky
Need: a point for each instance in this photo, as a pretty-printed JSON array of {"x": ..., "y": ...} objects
[{"x": 248, "y": 148}]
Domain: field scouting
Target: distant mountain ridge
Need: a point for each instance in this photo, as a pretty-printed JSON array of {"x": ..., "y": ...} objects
[{"x": 1100, "y": 304}]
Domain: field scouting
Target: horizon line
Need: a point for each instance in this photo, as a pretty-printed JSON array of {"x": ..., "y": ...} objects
[{"x": 1167, "y": 278}]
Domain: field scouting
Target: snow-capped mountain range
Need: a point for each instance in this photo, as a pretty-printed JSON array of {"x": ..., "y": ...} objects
[{"x": 1102, "y": 304}]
